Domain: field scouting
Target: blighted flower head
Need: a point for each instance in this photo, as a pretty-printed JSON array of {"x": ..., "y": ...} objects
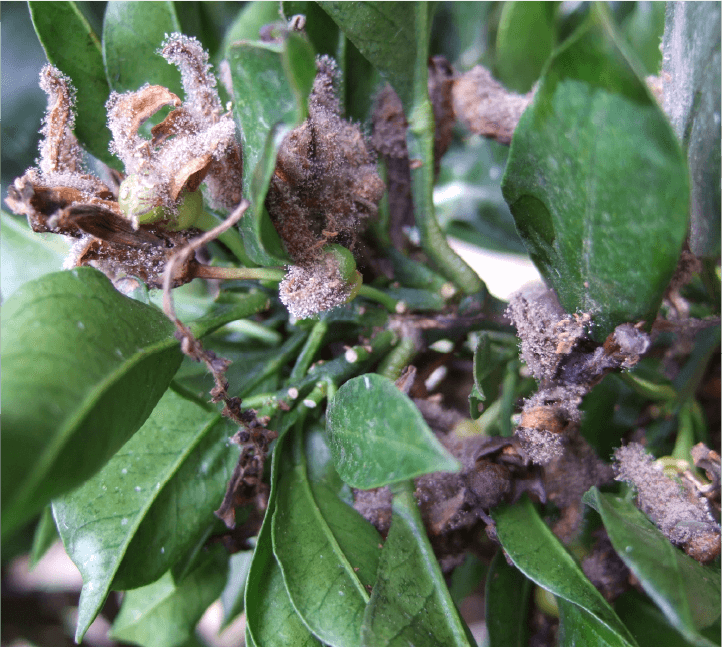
[
  {"x": 135, "y": 230},
  {"x": 194, "y": 143},
  {"x": 325, "y": 185}
]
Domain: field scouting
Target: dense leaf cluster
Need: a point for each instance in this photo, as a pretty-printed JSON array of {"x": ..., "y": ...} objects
[{"x": 394, "y": 486}]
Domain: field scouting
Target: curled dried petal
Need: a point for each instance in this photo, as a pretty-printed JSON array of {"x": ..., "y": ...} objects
[
  {"x": 59, "y": 151},
  {"x": 126, "y": 113},
  {"x": 199, "y": 84}
]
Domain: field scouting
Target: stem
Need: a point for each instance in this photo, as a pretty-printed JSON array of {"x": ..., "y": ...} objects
[
  {"x": 309, "y": 351},
  {"x": 397, "y": 359},
  {"x": 420, "y": 140},
  {"x": 240, "y": 273},
  {"x": 231, "y": 238},
  {"x": 393, "y": 305}
]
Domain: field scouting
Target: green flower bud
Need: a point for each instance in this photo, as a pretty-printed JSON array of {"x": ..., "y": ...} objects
[
  {"x": 189, "y": 211},
  {"x": 139, "y": 201}
]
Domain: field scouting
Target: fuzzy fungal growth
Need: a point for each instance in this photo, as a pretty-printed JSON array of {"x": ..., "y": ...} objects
[
  {"x": 325, "y": 186},
  {"x": 135, "y": 231},
  {"x": 566, "y": 363},
  {"x": 322, "y": 284},
  {"x": 323, "y": 191},
  {"x": 678, "y": 511}
]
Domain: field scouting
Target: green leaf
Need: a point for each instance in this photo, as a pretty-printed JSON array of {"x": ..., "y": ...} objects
[
  {"x": 507, "y": 603},
  {"x": 46, "y": 534},
  {"x": 577, "y": 628},
  {"x": 265, "y": 109},
  {"x": 686, "y": 592},
  {"x": 271, "y": 620},
  {"x": 538, "y": 554},
  {"x": 233, "y": 593},
  {"x": 249, "y": 21},
  {"x": 385, "y": 34},
  {"x": 524, "y": 41},
  {"x": 378, "y": 436},
  {"x": 164, "y": 614},
  {"x": 71, "y": 45},
  {"x": 643, "y": 29},
  {"x": 18, "y": 243},
  {"x": 648, "y": 624},
  {"x": 299, "y": 63},
  {"x": 410, "y": 604},
  {"x": 597, "y": 183},
  {"x": 132, "y": 34},
  {"x": 321, "y": 30},
  {"x": 691, "y": 70},
  {"x": 327, "y": 552},
  {"x": 83, "y": 367},
  {"x": 149, "y": 505}
]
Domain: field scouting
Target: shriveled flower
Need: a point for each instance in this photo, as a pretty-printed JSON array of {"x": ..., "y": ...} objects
[
  {"x": 135, "y": 229},
  {"x": 324, "y": 189},
  {"x": 322, "y": 284}
]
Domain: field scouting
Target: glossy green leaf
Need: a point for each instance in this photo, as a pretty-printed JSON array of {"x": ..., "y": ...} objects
[
  {"x": 235, "y": 589},
  {"x": 691, "y": 70},
  {"x": 378, "y": 436},
  {"x": 146, "y": 508},
  {"x": 384, "y": 34},
  {"x": 524, "y": 41},
  {"x": 18, "y": 243},
  {"x": 507, "y": 604},
  {"x": 83, "y": 367},
  {"x": 320, "y": 28},
  {"x": 643, "y": 30},
  {"x": 271, "y": 620},
  {"x": 577, "y": 628},
  {"x": 73, "y": 47},
  {"x": 165, "y": 613},
  {"x": 132, "y": 34},
  {"x": 538, "y": 554},
  {"x": 265, "y": 108},
  {"x": 327, "y": 551},
  {"x": 46, "y": 534},
  {"x": 686, "y": 592},
  {"x": 648, "y": 624},
  {"x": 410, "y": 604},
  {"x": 249, "y": 21},
  {"x": 597, "y": 182},
  {"x": 299, "y": 63}
]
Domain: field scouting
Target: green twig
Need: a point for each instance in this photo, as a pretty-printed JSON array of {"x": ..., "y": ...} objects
[
  {"x": 420, "y": 140},
  {"x": 392, "y": 365},
  {"x": 309, "y": 350},
  {"x": 240, "y": 273},
  {"x": 386, "y": 300}
]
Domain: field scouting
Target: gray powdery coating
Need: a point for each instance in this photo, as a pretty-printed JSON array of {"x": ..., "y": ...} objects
[
  {"x": 679, "y": 514},
  {"x": 309, "y": 289},
  {"x": 546, "y": 331}
]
